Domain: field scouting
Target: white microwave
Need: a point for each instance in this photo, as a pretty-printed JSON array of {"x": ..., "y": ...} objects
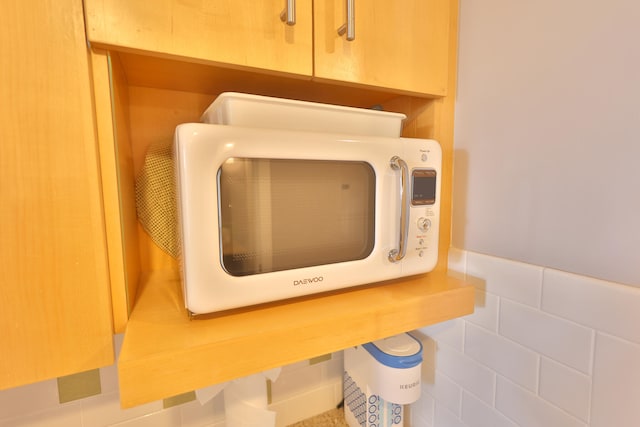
[{"x": 267, "y": 213}]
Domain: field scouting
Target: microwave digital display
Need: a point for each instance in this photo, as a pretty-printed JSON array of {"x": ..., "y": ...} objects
[{"x": 423, "y": 185}]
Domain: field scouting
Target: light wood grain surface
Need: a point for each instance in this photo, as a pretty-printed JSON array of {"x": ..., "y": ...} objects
[
  {"x": 165, "y": 353},
  {"x": 400, "y": 45},
  {"x": 229, "y": 32},
  {"x": 55, "y": 316}
]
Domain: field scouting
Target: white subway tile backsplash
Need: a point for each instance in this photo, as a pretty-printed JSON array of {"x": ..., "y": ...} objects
[
  {"x": 476, "y": 413},
  {"x": 450, "y": 333},
  {"x": 333, "y": 368},
  {"x": 582, "y": 333},
  {"x": 417, "y": 421},
  {"x": 616, "y": 383},
  {"x": 565, "y": 388},
  {"x": 296, "y": 380},
  {"x": 605, "y": 306},
  {"x": 466, "y": 372},
  {"x": 429, "y": 349},
  {"x": 28, "y": 399},
  {"x": 167, "y": 418},
  {"x": 109, "y": 379},
  {"x": 109, "y": 374},
  {"x": 104, "y": 410},
  {"x": 444, "y": 391},
  {"x": 193, "y": 414},
  {"x": 445, "y": 418},
  {"x": 561, "y": 340},
  {"x": 421, "y": 412},
  {"x": 510, "y": 279},
  {"x": 485, "y": 311},
  {"x": 529, "y": 410},
  {"x": 457, "y": 260},
  {"x": 503, "y": 356},
  {"x": 69, "y": 415}
]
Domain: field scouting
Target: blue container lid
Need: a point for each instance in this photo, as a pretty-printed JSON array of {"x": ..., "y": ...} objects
[{"x": 399, "y": 351}]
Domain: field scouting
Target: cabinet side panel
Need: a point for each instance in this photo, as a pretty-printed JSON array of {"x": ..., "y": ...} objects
[
  {"x": 126, "y": 177},
  {"x": 443, "y": 117},
  {"x": 110, "y": 189}
]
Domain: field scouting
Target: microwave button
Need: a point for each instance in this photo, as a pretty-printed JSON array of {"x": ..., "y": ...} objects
[{"x": 424, "y": 224}]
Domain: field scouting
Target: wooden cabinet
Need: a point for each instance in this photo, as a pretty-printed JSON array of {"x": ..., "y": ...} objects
[
  {"x": 236, "y": 33},
  {"x": 55, "y": 316},
  {"x": 149, "y": 76},
  {"x": 75, "y": 126},
  {"x": 400, "y": 46}
]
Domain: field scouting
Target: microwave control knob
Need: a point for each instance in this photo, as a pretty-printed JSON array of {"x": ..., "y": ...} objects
[{"x": 424, "y": 224}]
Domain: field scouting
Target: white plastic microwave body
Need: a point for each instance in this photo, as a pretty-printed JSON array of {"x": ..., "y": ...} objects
[{"x": 267, "y": 214}]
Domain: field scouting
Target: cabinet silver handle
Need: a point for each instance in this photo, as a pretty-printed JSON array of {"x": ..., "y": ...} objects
[
  {"x": 288, "y": 15},
  {"x": 397, "y": 163},
  {"x": 350, "y": 26}
]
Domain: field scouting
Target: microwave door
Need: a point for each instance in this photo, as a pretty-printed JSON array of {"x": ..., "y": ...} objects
[
  {"x": 282, "y": 214},
  {"x": 246, "y": 225}
]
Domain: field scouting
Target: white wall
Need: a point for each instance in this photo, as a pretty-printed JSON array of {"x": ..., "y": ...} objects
[
  {"x": 546, "y": 179},
  {"x": 547, "y": 137}
]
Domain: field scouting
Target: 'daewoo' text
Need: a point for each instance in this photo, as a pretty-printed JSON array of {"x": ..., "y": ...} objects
[{"x": 308, "y": 281}]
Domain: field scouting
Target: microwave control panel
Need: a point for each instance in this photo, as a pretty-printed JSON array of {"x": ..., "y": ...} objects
[
  {"x": 423, "y": 197},
  {"x": 424, "y": 160}
]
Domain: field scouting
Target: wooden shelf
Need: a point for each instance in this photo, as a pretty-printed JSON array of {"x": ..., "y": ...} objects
[{"x": 165, "y": 353}]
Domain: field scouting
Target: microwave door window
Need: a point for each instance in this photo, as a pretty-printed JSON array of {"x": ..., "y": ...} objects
[{"x": 280, "y": 214}]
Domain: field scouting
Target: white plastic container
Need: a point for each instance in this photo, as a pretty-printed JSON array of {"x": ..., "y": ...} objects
[
  {"x": 239, "y": 109},
  {"x": 380, "y": 378}
]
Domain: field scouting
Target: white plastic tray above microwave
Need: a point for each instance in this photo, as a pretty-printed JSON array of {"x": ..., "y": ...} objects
[{"x": 239, "y": 109}]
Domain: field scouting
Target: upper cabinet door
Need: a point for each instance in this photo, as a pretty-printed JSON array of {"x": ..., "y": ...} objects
[
  {"x": 400, "y": 45},
  {"x": 55, "y": 312},
  {"x": 233, "y": 32}
]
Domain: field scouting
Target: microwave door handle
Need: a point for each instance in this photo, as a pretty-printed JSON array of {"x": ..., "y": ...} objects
[{"x": 397, "y": 163}]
